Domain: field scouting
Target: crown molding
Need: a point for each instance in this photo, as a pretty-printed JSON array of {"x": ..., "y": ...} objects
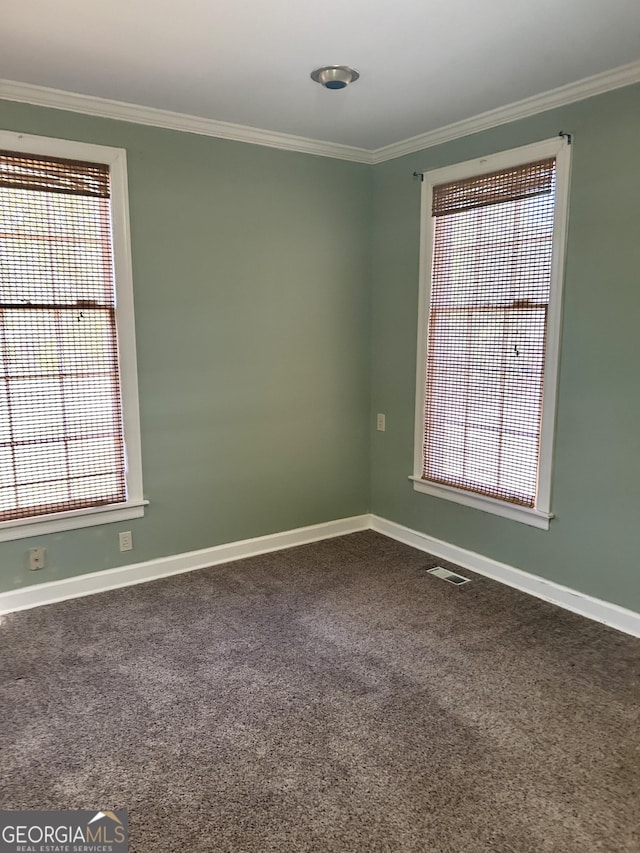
[
  {"x": 57, "y": 99},
  {"x": 43, "y": 96},
  {"x": 625, "y": 75}
]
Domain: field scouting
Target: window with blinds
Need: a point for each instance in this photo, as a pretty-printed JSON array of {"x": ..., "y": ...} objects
[
  {"x": 485, "y": 332},
  {"x": 61, "y": 426}
]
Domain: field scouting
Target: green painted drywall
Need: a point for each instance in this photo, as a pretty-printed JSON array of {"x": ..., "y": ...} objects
[
  {"x": 592, "y": 545},
  {"x": 256, "y": 275},
  {"x": 251, "y": 277}
]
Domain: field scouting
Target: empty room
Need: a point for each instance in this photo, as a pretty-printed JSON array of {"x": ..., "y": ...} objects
[{"x": 319, "y": 446}]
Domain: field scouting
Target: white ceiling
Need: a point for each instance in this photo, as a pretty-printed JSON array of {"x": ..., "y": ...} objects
[{"x": 424, "y": 64}]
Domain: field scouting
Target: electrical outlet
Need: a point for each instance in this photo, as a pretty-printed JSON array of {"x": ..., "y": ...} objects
[
  {"x": 37, "y": 558},
  {"x": 381, "y": 422},
  {"x": 126, "y": 541}
]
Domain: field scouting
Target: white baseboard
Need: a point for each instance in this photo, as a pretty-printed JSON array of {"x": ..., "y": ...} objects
[
  {"x": 593, "y": 608},
  {"x": 51, "y": 592},
  {"x": 610, "y": 614}
]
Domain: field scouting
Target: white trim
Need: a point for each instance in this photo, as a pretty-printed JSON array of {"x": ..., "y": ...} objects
[
  {"x": 26, "y": 528},
  {"x": 424, "y": 295},
  {"x": 532, "y": 517},
  {"x": 500, "y": 160},
  {"x": 605, "y": 612},
  {"x": 558, "y": 148},
  {"x": 554, "y": 327},
  {"x": 598, "y": 84},
  {"x": 57, "y": 99},
  {"x": 38, "y": 595},
  {"x": 43, "y": 96},
  {"x": 75, "y": 587},
  {"x": 116, "y": 159},
  {"x": 125, "y": 324}
]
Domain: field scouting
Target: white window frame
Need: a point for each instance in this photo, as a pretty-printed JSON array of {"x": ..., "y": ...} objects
[
  {"x": 560, "y": 148},
  {"x": 133, "y": 507}
]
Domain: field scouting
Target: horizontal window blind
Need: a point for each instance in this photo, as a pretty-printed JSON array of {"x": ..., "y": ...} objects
[
  {"x": 55, "y": 175},
  {"x": 61, "y": 434},
  {"x": 487, "y": 324},
  {"x": 520, "y": 182}
]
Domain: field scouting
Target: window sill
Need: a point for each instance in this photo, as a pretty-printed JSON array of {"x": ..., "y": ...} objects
[
  {"x": 60, "y": 521},
  {"x": 532, "y": 517}
]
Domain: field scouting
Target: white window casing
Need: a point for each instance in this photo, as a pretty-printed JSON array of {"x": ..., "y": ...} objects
[
  {"x": 133, "y": 505},
  {"x": 540, "y": 513}
]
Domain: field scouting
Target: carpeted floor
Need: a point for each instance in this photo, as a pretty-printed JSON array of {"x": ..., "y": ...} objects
[{"x": 332, "y": 697}]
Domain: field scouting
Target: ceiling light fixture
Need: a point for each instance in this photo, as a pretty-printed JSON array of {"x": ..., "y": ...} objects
[{"x": 334, "y": 76}]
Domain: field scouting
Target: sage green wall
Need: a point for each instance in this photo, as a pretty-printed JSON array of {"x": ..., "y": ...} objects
[
  {"x": 271, "y": 286},
  {"x": 593, "y": 543},
  {"x": 251, "y": 280}
]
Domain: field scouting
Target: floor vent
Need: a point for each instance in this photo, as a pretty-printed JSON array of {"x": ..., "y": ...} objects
[{"x": 446, "y": 575}]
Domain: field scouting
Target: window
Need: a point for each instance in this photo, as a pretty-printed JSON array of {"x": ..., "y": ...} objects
[
  {"x": 69, "y": 427},
  {"x": 491, "y": 275}
]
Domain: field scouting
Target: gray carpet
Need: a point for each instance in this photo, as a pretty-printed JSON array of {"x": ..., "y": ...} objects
[{"x": 332, "y": 697}]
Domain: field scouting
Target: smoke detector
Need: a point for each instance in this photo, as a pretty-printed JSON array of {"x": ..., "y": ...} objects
[{"x": 334, "y": 76}]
